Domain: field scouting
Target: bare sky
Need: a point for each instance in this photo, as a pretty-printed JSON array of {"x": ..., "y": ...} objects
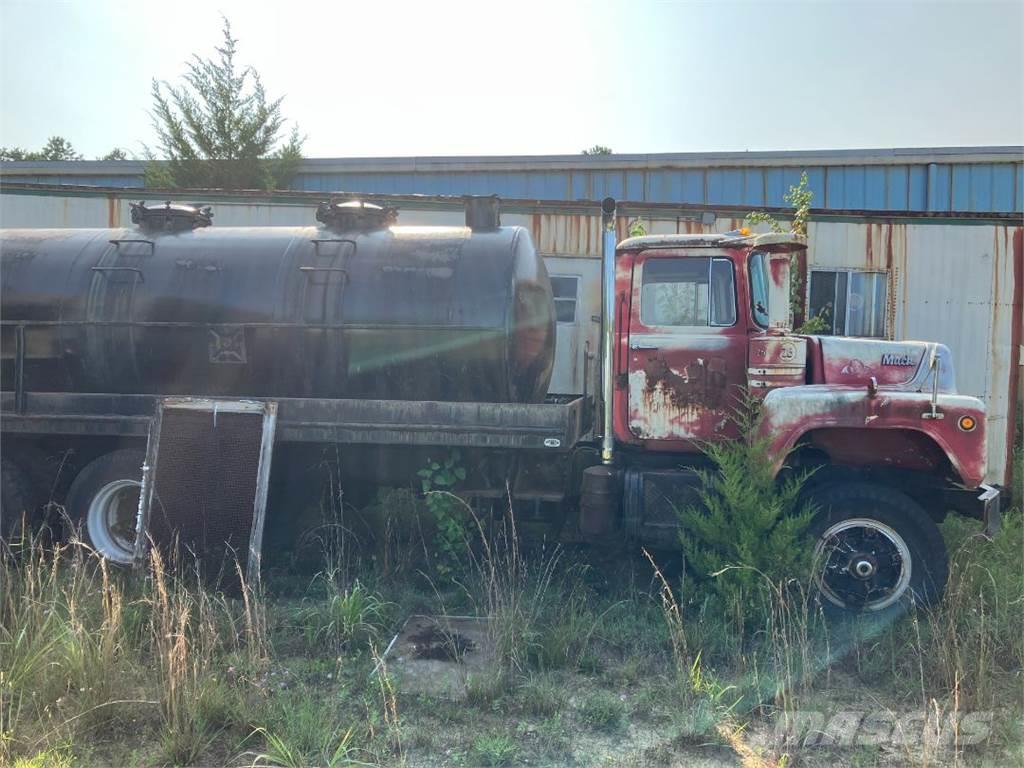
[{"x": 437, "y": 78}]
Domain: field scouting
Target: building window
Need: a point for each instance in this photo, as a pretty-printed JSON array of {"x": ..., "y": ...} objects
[
  {"x": 687, "y": 292},
  {"x": 565, "y": 289},
  {"x": 851, "y": 302}
]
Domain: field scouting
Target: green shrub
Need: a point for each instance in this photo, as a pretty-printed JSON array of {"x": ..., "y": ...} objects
[
  {"x": 749, "y": 530},
  {"x": 494, "y": 750},
  {"x": 484, "y": 689},
  {"x": 438, "y": 480},
  {"x": 348, "y": 618},
  {"x": 603, "y": 711},
  {"x": 541, "y": 695}
]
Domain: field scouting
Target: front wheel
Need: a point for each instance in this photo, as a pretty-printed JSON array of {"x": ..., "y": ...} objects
[{"x": 876, "y": 550}]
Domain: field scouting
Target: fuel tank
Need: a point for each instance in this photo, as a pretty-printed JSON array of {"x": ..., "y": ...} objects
[{"x": 353, "y": 308}]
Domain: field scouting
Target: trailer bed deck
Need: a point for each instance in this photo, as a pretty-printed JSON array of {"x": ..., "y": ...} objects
[{"x": 556, "y": 425}]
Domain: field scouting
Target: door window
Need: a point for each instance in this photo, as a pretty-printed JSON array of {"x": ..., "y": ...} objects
[{"x": 687, "y": 292}]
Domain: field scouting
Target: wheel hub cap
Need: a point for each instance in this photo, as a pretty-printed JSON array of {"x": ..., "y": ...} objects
[{"x": 862, "y": 564}]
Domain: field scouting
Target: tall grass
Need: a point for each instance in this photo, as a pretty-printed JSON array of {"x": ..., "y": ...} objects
[
  {"x": 79, "y": 641},
  {"x": 509, "y": 588}
]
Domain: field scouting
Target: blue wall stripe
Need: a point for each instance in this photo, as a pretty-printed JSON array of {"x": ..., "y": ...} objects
[
  {"x": 939, "y": 187},
  {"x": 896, "y": 188},
  {"x": 874, "y": 187},
  {"x": 961, "y": 188},
  {"x": 753, "y": 187},
  {"x": 1002, "y": 188},
  {"x": 774, "y": 187},
  {"x": 917, "y": 188},
  {"x": 981, "y": 187}
]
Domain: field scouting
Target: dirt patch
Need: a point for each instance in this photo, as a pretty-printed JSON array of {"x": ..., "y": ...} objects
[
  {"x": 436, "y": 654},
  {"x": 433, "y": 642}
]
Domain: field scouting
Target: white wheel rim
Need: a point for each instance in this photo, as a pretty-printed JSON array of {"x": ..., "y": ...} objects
[
  {"x": 884, "y": 567},
  {"x": 112, "y": 511}
]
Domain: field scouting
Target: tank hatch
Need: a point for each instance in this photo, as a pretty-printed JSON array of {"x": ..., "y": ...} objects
[
  {"x": 355, "y": 215},
  {"x": 171, "y": 217}
]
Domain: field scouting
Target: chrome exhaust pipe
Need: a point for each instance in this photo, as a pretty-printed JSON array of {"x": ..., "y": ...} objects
[{"x": 607, "y": 328}]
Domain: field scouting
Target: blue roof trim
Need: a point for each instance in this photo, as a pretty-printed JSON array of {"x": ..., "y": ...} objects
[{"x": 944, "y": 180}]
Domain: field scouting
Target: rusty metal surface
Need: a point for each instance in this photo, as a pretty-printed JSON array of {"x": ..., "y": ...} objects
[
  {"x": 794, "y": 413},
  {"x": 776, "y": 361}
]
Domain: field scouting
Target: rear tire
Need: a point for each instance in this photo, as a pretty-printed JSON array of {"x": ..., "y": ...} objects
[
  {"x": 16, "y": 505},
  {"x": 104, "y": 501},
  {"x": 876, "y": 550}
]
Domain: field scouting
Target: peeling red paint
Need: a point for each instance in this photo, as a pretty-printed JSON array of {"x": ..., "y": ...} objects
[
  {"x": 700, "y": 384},
  {"x": 794, "y": 413}
]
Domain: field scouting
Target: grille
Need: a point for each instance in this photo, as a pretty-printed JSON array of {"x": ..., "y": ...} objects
[{"x": 205, "y": 485}]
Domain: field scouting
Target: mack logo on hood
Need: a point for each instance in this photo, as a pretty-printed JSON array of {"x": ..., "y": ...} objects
[{"x": 894, "y": 359}]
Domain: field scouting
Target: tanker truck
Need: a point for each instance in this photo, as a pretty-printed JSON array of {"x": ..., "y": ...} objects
[{"x": 394, "y": 344}]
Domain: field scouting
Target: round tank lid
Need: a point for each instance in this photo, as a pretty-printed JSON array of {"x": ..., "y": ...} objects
[
  {"x": 170, "y": 216},
  {"x": 355, "y": 214}
]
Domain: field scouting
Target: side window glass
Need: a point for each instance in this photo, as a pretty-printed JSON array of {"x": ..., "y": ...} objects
[
  {"x": 566, "y": 291},
  {"x": 687, "y": 292},
  {"x": 850, "y": 302},
  {"x": 758, "y": 269}
]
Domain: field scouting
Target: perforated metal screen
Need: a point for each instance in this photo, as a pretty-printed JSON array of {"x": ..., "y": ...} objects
[{"x": 206, "y": 486}]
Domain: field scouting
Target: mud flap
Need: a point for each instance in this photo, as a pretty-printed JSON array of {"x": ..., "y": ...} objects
[{"x": 991, "y": 501}]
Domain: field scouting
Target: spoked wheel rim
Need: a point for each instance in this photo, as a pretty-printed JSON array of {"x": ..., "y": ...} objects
[
  {"x": 111, "y": 518},
  {"x": 862, "y": 564}
]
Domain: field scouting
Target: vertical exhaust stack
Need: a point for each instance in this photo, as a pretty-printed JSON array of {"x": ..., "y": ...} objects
[
  {"x": 607, "y": 326},
  {"x": 483, "y": 212},
  {"x": 601, "y": 492}
]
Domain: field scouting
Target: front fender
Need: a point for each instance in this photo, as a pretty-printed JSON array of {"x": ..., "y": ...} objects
[{"x": 792, "y": 412}]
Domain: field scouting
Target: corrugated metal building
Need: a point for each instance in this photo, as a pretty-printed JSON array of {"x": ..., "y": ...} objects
[
  {"x": 923, "y": 244},
  {"x": 937, "y": 180}
]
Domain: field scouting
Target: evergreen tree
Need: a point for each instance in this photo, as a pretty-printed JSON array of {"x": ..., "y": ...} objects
[
  {"x": 219, "y": 129},
  {"x": 748, "y": 526}
]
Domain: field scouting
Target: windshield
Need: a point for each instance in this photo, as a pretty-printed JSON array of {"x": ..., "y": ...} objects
[{"x": 758, "y": 266}]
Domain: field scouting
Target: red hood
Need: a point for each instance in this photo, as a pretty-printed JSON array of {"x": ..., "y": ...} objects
[{"x": 895, "y": 364}]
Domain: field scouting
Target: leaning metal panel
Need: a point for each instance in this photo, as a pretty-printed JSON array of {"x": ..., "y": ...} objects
[{"x": 205, "y": 484}]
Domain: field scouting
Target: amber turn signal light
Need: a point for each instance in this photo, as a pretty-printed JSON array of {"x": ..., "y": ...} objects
[{"x": 967, "y": 423}]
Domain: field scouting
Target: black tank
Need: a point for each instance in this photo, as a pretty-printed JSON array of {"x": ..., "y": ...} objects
[{"x": 353, "y": 309}]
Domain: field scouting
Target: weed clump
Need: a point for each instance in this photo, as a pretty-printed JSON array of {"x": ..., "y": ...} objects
[{"x": 602, "y": 711}]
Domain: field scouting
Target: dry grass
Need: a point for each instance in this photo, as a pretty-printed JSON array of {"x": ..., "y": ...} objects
[{"x": 91, "y": 656}]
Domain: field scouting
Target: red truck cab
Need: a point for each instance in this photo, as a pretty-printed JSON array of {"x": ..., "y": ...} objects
[{"x": 698, "y": 322}]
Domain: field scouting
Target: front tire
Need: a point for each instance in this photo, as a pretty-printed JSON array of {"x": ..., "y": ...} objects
[
  {"x": 104, "y": 501},
  {"x": 876, "y": 550}
]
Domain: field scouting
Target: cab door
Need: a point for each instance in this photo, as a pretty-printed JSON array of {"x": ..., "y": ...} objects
[{"x": 687, "y": 348}]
